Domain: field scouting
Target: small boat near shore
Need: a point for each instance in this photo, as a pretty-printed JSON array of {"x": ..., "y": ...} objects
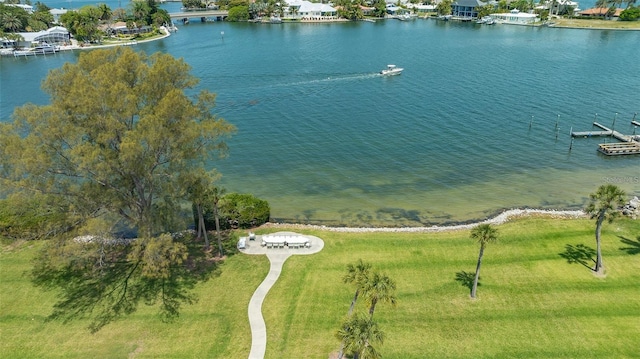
[
  {"x": 44, "y": 49},
  {"x": 486, "y": 20},
  {"x": 391, "y": 70}
]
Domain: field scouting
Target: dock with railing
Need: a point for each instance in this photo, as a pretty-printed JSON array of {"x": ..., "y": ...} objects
[{"x": 628, "y": 145}]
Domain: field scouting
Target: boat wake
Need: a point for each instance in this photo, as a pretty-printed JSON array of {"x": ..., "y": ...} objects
[
  {"x": 271, "y": 91},
  {"x": 330, "y": 78}
]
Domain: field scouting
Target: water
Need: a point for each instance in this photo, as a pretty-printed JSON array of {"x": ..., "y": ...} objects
[{"x": 325, "y": 139}]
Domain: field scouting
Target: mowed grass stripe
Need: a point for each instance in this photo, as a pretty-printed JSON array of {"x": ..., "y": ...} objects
[{"x": 531, "y": 302}]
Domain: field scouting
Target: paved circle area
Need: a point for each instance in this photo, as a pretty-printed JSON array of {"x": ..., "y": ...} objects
[{"x": 277, "y": 257}]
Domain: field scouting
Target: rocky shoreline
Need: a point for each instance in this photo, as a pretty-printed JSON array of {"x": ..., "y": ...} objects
[{"x": 499, "y": 219}]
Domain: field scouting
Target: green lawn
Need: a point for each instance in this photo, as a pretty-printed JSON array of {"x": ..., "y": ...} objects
[
  {"x": 597, "y": 24},
  {"x": 531, "y": 302}
]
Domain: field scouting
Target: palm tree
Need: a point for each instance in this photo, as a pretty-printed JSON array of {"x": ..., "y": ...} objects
[
  {"x": 12, "y": 22},
  {"x": 379, "y": 289},
  {"x": 357, "y": 274},
  {"x": 484, "y": 234},
  {"x": 359, "y": 333},
  {"x": 603, "y": 205},
  {"x": 105, "y": 12}
]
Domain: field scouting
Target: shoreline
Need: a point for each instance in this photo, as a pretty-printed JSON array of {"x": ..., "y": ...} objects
[
  {"x": 501, "y": 218},
  {"x": 167, "y": 32}
]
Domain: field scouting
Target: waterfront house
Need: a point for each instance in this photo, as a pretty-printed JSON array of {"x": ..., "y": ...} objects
[
  {"x": 515, "y": 17},
  {"x": 305, "y": 10},
  {"x": 367, "y": 10},
  {"x": 465, "y": 10},
  {"x": 120, "y": 28},
  {"x": 396, "y": 10},
  {"x": 600, "y": 12},
  {"x": 422, "y": 9},
  {"x": 563, "y": 7},
  {"x": 56, "y": 35},
  {"x": 25, "y": 7}
]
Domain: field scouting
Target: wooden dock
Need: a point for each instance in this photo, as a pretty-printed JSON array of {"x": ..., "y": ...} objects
[
  {"x": 605, "y": 132},
  {"x": 629, "y": 144},
  {"x": 623, "y": 148}
]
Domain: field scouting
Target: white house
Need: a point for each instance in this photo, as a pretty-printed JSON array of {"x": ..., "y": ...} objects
[
  {"x": 56, "y": 35},
  {"x": 27, "y": 8},
  {"x": 516, "y": 17},
  {"x": 305, "y": 10}
]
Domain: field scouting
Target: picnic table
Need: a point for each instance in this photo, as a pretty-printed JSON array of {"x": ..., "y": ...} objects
[{"x": 281, "y": 241}]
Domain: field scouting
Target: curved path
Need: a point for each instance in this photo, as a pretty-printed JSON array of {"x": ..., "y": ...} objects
[{"x": 277, "y": 257}]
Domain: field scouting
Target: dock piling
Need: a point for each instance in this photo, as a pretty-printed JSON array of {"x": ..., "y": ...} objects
[{"x": 613, "y": 125}]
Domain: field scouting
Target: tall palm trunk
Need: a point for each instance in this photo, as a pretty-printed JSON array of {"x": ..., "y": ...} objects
[
  {"x": 372, "y": 308},
  {"x": 353, "y": 302},
  {"x": 474, "y": 289},
  {"x": 598, "y": 268}
]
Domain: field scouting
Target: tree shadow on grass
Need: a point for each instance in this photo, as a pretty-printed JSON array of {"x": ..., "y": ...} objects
[
  {"x": 103, "y": 281},
  {"x": 466, "y": 279},
  {"x": 580, "y": 254},
  {"x": 633, "y": 246}
]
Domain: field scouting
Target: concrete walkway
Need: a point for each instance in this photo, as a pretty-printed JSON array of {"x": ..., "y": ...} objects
[{"x": 277, "y": 257}]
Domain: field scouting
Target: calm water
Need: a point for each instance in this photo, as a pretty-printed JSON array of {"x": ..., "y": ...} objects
[{"x": 325, "y": 139}]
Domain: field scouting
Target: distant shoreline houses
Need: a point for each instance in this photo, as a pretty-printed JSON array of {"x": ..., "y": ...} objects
[
  {"x": 303, "y": 10},
  {"x": 56, "y": 35},
  {"x": 306, "y": 10}
]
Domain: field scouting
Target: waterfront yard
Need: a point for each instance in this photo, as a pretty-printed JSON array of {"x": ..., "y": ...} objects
[
  {"x": 531, "y": 302},
  {"x": 597, "y": 24}
]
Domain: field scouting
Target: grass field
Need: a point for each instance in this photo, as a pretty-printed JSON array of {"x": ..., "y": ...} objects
[
  {"x": 531, "y": 302},
  {"x": 597, "y": 24}
]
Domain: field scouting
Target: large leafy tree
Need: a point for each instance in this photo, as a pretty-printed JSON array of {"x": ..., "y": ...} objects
[
  {"x": 380, "y": 8},
  {"x": 444, "y": 7},
  {"x": 484, "y": 234},
  {"x": 117, "y": 136},
  {"x": 83, "y": 23},
  {"x": 111, "y": 150},
  {"x": 603, "y": 205},
  {"x": 359, "y": 334}
]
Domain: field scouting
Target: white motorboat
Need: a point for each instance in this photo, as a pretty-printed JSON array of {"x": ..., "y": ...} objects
[{"x": 391, "y": 70}]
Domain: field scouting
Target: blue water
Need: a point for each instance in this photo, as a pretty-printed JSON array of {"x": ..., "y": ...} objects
[{"x": 325, "y": 139}]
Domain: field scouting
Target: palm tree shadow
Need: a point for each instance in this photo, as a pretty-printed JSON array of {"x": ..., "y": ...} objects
[
  {"x": 580, "y": 254},
  {"x": 634, "y": 246},
  {"x": 466, "y": 279}
]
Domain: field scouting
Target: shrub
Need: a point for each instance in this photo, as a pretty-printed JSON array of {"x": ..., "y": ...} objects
[
  {"x": 237, "y": 210},
  {"x": 630, "y": 14},
  {"x": 238, "y": 13}
]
